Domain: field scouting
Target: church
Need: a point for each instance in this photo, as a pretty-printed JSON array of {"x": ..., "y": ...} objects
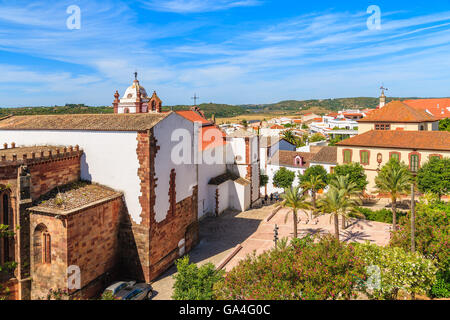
[{"x": 115, "y": 195}]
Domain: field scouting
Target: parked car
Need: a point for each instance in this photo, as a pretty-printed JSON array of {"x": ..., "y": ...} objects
[
  {"x": 118, "y": 286},
  {"x": 140, "y": 291}
]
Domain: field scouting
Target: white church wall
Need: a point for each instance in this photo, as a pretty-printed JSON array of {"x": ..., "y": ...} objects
[
  {"x": 186, "y": 173},
  {"x": 109, "y": 157},
  {"x": 205, "y": 173}
]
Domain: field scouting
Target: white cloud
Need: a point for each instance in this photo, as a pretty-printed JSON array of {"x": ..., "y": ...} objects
[{"x": 195, "y": 6}]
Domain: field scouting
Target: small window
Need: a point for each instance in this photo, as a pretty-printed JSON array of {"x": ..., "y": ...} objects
[
  {"x": 364, "y": 157},
  {"x": 46, "y": 254},
  {"x": 383, "y": 127},
  {"x": 347, "y": 156},
  {"x": 435, "y": 157},
  {"x": 395, "y": 156},
  {"x": 414, "y": 162}
]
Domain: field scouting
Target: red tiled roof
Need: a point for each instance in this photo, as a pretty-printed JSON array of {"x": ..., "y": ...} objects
[
  {"x": 397, "y": 111},
  {"x": 193, "y": 116},
  {"x": 276, "y": 126},
  {"x": 423, "y": 140},
  {"x": 440, "y": 108},
  {"x": 287, "y": 158}
]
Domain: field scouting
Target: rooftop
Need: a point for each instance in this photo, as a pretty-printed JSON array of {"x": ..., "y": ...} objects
[
  {"x": 287, "y": 158},
  {"x": 98, "y": 122},
  {"x": 397, "y": 111},
  {"x": 193, "y": 116},
  {"x": 73, "y": 197},
  {"x": 440, "y": 108},
  {"x": 326, "y": 155},
  {"x": 228, "y": 176},
  {"x": 420, "y": 140},
  {"x": 241, "y": 134}
]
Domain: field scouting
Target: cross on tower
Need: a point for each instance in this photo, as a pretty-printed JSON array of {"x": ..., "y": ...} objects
[
  {"x": 135, "y": 75},
  {"x": 195, "y": 97}
]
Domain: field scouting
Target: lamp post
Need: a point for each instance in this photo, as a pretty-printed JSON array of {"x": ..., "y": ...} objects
[
  {"x": 413, "y": 215},
  {"x": 275, "y": 235}
]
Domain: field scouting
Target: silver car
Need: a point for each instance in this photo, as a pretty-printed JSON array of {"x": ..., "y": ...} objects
[
  {"x": 116, "y": 287},
  {"x": 140, "y": 291}
]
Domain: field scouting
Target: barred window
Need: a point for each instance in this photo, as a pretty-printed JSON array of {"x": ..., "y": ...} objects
[{"x": 414, "y": 162}]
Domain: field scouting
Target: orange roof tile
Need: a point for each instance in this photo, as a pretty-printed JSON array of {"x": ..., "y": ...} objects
[
  {"x": 193, "y": 116},
  {"x": 440, "y": 108},
  {"x": 397, "y": 111},
  {"x": 425, "y": 140},
  {"x": 276, "y": 126}
]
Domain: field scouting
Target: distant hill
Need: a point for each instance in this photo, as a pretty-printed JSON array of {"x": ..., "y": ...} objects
[
  {"x": 67, "y": 109},
  {"x": 219, "y": 110}
]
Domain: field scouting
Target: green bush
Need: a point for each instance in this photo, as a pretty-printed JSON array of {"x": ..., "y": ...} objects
[
  {"x": 432, "y": 239},
  {"x": 382, "y": 215},
  {"x": 400, "y": 270},
  {"x": 327, "y": 269},
  {"x": 441, "y": 288},
  {"x": 194, "y": 283}
]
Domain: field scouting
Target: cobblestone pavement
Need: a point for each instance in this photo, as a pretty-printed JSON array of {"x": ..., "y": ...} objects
[{"x": 218, "y": 237}]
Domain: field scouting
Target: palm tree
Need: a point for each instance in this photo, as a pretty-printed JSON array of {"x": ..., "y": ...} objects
[
  {"x": 289, "y": 136},
  {"x": 292, "y": 198},
  {"x": 337, "y": 204},
  {"x": 395, "y": 179},
  {"x": 313, "y": 183},
  {"x": 350, "y": 190}
]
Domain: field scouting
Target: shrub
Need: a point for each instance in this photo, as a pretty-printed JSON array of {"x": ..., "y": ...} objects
[
  {"x": 432, "y": 233},
  {"x": 441, "y": 288},
  {"x": 355, "y": 171},
  {"x": 304, "y": 270},
  {"x": 399, "y": 270},
  {"x": 194, "y": 283},
  {"x": 432, "y": 239},
  {"x": 382, "y": 215}
]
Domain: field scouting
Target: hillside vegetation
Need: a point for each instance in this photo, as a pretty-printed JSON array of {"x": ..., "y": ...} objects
[{"x": 219, "y": 110}]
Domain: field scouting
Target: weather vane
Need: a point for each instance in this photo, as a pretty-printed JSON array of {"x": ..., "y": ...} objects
[{"x": 135, "y": 75}]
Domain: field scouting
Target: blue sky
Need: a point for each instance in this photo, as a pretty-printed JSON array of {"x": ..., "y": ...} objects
[{"x": 226, "y": 51}]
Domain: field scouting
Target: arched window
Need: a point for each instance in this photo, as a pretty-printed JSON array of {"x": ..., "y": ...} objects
[
  {"x": 42, "y": 245},
  {"x": 126, "y": 110}
]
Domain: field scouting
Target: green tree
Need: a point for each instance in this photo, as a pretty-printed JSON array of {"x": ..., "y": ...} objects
[
  {"x": 294, "y": 199},
  {"x": 444, "y": 124},
  {"x": 263, "y": 180},
  {"x": 289, "y": 136},
  {"x": 314, "y": 179},
  {"x": 349, "y": 189},
  {"x": 356, "y": 174},
  {"x": 316, "y": 137},
  {"x": 434, "y": 177},
  {"x": 283, "y": 178},
  {"x": 336, "y": 204},
  {"x": 244, "y": 123},
  {"x": 395, "y": 179},
  {"x": 195, "y": 283}
]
